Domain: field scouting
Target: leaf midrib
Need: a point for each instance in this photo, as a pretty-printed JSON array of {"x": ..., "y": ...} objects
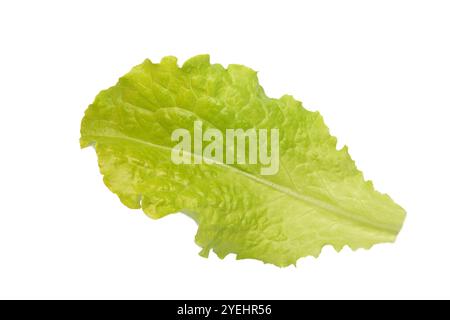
[{"x": 282, "y": 189}]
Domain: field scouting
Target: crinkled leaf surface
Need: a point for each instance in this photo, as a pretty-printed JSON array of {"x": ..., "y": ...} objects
[{"x": 318, "y": 197}]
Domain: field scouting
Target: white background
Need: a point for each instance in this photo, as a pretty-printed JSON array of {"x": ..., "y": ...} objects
[{"x": 378, "y": 71}]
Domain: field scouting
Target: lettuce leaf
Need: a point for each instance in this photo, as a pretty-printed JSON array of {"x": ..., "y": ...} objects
[{"x": 317, "y": 198}]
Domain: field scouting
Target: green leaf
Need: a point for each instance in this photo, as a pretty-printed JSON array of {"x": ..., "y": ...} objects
[{"x": 318, "y": 197}]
